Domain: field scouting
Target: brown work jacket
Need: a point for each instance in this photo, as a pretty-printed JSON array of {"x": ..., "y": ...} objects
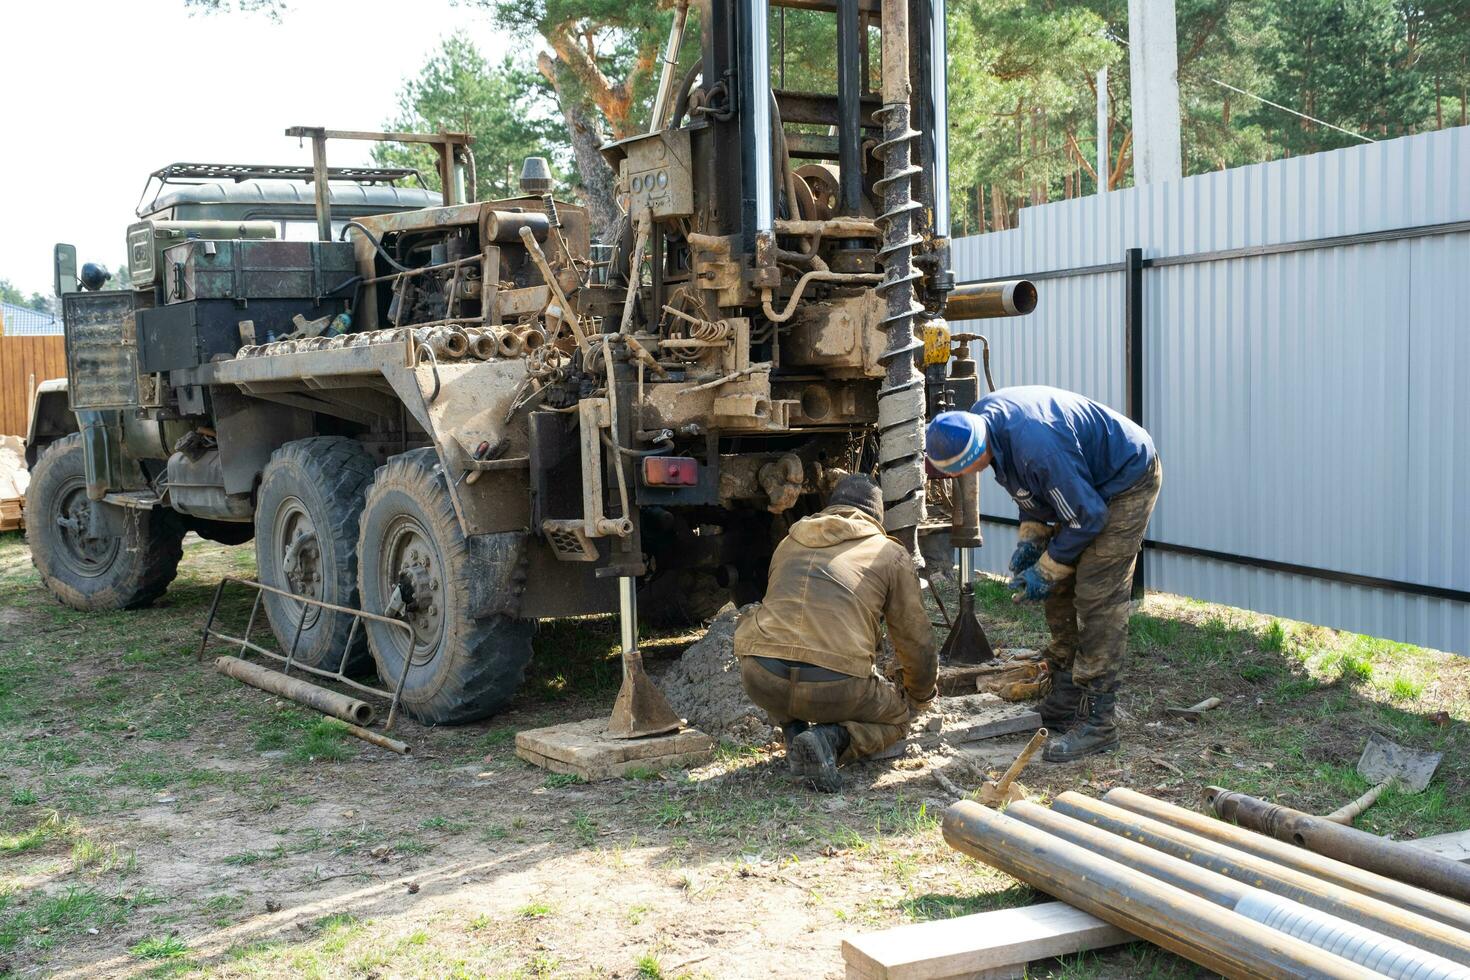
[{"x": 834, "y": 580}]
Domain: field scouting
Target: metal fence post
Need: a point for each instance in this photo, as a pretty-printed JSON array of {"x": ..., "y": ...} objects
[{"x": 1133, "y": 360}]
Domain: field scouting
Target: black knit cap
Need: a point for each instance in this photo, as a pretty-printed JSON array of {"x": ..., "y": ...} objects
[{"x": 858, "y": 491}]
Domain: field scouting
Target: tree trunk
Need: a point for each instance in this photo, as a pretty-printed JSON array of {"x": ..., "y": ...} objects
[{"x": 599, "y": 194}]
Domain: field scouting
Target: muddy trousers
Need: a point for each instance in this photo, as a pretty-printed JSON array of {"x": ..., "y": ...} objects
[
  {"x": 1088, "y": 615},
  {"x": 871, "y": 708}
]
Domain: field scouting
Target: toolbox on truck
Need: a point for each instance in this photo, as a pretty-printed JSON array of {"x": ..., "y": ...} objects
[{"x": 258, "y": 269}]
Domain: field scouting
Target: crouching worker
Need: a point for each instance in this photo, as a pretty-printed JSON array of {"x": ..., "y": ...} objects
[
  {"x": 807, "y": 652},
  {"x": 1085, "y": 479}
]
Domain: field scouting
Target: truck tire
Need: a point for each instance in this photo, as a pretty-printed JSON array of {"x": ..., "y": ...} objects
[
  {"x": 123, "y": 572},
  {"x": 306, "y": 514},
  {"x": 461, "y": 669},
  {"x": 682, "y": 597}
]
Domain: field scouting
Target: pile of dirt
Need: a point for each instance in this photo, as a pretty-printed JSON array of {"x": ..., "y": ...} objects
[{"x": 704, "y": 687}]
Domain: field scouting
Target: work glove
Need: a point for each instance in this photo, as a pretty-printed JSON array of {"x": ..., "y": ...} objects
[
  {"x": 1034, "y": 538},
  {"x": 1040, "y": 580}
]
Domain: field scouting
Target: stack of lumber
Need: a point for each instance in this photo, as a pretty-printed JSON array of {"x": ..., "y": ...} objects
[{"x": 13, "y": 482}]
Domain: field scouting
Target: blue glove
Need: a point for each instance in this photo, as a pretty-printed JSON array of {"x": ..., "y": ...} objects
[
  {"x": 1030, "y": 586},
  {"x": 1026, "y": 555}
]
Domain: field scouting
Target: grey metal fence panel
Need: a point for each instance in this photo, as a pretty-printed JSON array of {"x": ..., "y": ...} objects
[{"x": 1307, "y": 404}]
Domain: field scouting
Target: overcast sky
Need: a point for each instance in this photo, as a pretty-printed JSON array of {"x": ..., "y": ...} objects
[{"x": 99, "y": 93}]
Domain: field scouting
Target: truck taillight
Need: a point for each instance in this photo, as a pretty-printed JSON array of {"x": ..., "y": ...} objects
[{"x": 670, "y": 471}]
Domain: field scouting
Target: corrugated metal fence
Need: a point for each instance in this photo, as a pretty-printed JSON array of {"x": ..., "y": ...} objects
[{"x": 1300, "y": 352}]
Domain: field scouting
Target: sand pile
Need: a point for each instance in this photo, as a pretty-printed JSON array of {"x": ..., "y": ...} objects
[{"x": 704, "y": 686}]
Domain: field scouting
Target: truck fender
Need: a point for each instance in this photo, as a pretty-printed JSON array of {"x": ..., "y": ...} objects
[{"x": 51, "y": 418}]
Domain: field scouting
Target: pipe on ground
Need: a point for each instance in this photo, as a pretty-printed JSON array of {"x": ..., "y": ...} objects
[
  {"x": 1389, "y": 890},
  {"x": 1356, "y": 847},
  {"x": 1193, "y": 927},
  {"x": 327, "y": 702},
  {"x": 1363, "y": 930}
]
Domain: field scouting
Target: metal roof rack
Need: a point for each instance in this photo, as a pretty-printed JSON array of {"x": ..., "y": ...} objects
[
  {"x": 190, "y": 173},
  {"x": 251, "y": 171}
]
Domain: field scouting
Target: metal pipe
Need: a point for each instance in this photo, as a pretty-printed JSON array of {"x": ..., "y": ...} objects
[
  {"x": 830, "y": 227},
  {"x": 1165, "y": 915},
  {"x": 670, "y": 65},
  {"x": 1226, "y": 883},
  {"x": 759, "y": 104},
  {"x": 381, "y": 741},
  {"x": 321, "y": 188},
  {"x": 327, "y": 702},
  {"x": 1207, "y": 857},
  {"x": 939, "y": 99},
  {"x": 849, "y": 110},
  {"x": 1357, "y": 847},
  {"x": 1283, "y": 855},
  {"x": 901, "y": 396},
  {"x": 987, "y": 300}
]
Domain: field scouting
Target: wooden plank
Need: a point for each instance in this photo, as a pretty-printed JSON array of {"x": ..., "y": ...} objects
[
  {"x": 20, "y": 357},
  {"x": 987, "y": 944},
  {"x": 583, "y": 748},
  {"x": 1455, "y": 846}
]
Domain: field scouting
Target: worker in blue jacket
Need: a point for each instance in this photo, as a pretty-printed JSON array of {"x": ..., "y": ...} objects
[{"x": 1085, "y": 479}]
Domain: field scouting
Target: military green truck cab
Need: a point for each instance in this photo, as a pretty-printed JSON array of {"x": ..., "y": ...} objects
[{"x": 101, "y": 439}]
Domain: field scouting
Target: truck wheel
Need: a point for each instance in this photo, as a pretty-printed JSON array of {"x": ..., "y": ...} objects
[
  {"x": 682, "y": 597},
  {"x": 117, "y": 572},
  {"x": 306, "y": 515},
  {"x": 461, "y": 669}
]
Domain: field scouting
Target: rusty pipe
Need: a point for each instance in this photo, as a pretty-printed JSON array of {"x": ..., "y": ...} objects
[
  {"x": 1334, "y": 900},
  {"x": 381, "y": 741},
  {"x": 509, "y": 344},
  {"x": 531, "y": 337},
  {"x": 327, "y": 702},
  {"x": 1362, "y": 942},
  {"x": 1168, "y": 916},
  {"x": 1218, "y": 832},
  {"x": 482, "y": 343},
  {"x": 987, "y": 300},
  {"x": 1357, "y": 847}
]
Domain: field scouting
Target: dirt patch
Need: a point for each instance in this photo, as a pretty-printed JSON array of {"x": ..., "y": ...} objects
[{"x": 704, "y": 686}]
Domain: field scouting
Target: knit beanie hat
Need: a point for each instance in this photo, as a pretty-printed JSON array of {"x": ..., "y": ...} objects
[
  {"x": 858, "y": 491},
  {"x": 954, "y": 440}
]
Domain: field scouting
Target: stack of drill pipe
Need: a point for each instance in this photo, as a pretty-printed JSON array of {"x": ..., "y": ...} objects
[
  {"x": 1369, "y": 851},
  {"x": 1238, "y": 919},
  {"x": 1216, "y": 835}
]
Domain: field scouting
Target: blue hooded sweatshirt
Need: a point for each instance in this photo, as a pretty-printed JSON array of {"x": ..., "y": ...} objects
[{"x": 1062, "y": 457}]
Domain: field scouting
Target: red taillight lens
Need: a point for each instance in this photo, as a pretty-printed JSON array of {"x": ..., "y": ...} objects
[{"x": 670, "y": 471}]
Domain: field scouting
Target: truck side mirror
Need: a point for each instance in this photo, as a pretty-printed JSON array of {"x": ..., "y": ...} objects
[{"x": 64, "y": 264}]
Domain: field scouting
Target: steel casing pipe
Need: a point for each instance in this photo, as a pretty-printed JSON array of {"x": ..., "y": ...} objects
[
  {"x": 988, "y": 300},
  {"x": 1363, "y": 911},
  {"x": 1286, "y": 855},
  {"x": 1356, "y": 847},
  {"x": 273, "y": 682},
  {"x": 1180, "y": 922}
]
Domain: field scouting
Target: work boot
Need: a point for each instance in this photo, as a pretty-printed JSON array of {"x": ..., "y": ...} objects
[
  {"x": 1097, "y": 733},
  {"x": 1060, "y": 707},
  {"x": 789, "y": 731},
  {"x": 814, "y": 754}
]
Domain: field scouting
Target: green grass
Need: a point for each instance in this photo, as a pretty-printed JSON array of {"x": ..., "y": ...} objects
[
  {"x": 159, "y": 948},
  {"x": 22, "y": 797},
  {"x": 535, "y": 910},
  {"x": 558, "y": 780},
  {"x": 648, "y": 968},
  {"x": 51, "y": 827}
]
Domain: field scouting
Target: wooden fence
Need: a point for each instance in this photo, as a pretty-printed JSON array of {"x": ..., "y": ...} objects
[{"x": 24, "y": 363}]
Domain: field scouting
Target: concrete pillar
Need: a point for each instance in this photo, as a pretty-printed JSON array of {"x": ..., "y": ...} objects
[{"x": 1153, "y": 61}]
